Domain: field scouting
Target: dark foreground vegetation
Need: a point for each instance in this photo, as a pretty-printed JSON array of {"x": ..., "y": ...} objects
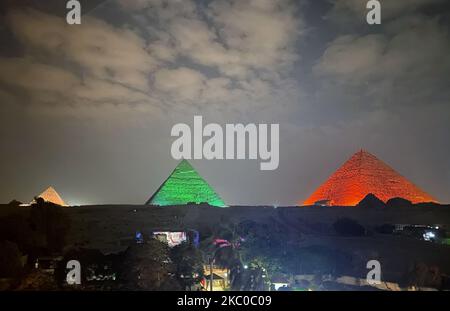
[{"x": 37, "y": 242}]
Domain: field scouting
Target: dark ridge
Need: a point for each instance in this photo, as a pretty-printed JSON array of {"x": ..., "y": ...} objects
[{"x": 371, "y": 201}]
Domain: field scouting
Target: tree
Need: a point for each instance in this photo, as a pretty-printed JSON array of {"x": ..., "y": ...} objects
[
  {"x": 16, "y": 228},
  {"x": 265, "y": 251},
  {"x": 49, "y": 220},
  {"x": 38, "y": 280},
  {"x": 188, "y": 264},
  {"x": 423, "y": 275},
  {"x": 348, "y": 227},
  {"x": 223, "y": 256},
  {"x": 10, "y": 260},
  {"x": 39, "y": 230},
  {"x": 148, "y": 267},
  {"x": 320, "y": 260}
]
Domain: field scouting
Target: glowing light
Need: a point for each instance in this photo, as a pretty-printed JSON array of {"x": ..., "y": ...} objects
[
  {"x": 429, "y": 235},
  {"x": 277, "y": 285},
  {"x": 172, "y": 238},
  {"x": 50, "y": 195},
  {"x": 185, "y": 186},
  {"x": 139, "y": 237},
  {"x": 362, "y": 174}
]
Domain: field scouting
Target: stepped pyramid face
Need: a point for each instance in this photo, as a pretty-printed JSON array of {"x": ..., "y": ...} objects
[
  {"x": 362, "y": 174},
  {"x": 185, "y": 186},
  {"x": 50, "y": 195}
]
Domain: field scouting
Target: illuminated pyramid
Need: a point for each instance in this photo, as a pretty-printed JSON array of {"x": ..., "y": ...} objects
[
  {"x": 185, "y": 186},
  {"x": 50, "y": 195},
  {"x": 362, "y": 174}
]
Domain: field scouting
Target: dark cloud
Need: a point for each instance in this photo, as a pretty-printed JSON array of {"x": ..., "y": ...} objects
[{"x": 89, "y": 108}]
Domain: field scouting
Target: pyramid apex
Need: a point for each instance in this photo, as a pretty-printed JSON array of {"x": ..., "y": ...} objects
[
  {"x": 363, "y": 151},
  {"x": 184, "y": 161}
]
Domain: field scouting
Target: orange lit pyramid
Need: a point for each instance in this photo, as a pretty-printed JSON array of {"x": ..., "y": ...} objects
[
  {"x": 50, "y": 195},
  {"x": 362, "y": 174}
]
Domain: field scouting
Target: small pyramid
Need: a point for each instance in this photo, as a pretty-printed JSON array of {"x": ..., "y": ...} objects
[
  {"x": 50, "y": 195},
  {"x": 184, "y": 186},
  {"x": 398, "y": 202},
  {"x": 371, "y": 201},
  {"x": 362, "y": 174}
]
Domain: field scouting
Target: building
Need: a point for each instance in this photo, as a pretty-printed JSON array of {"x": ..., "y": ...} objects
[
  {"x": 185, "y": 186},
  {"x": 362, "y": 174},
  {"x": 221, "y": 280},
  {"x": 52, "y": 196}
]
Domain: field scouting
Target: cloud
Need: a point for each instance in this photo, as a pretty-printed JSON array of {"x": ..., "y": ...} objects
[
  {"x": 86, "y": 99},
  {"x": 223, "y": 54},
  {"x": 261, "y": 33},
  {"x": 182, "y": 82},
  {"x": 97, "y": 48},
  {"x": 385, "y": 67},
  {"x": 352, "y": 56},
  {"x": 24, "y": 73},
  {"x": 386, "y": 89},
  {"x": 73, "y": 66},
  {"x": 247, "y": 44}
]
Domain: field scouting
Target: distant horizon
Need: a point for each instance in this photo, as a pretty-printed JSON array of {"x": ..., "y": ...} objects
[{"x": 238, "y": 204}]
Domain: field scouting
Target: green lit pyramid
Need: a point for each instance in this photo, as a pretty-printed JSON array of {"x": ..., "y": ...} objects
[{"x": 185, "y": 186}]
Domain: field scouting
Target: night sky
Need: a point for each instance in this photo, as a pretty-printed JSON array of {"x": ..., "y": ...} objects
[{"x": 88, "y": 108}]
